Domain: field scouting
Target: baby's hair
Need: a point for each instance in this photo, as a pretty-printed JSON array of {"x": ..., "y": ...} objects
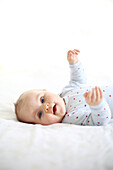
[{"x": 17, "y": 106}]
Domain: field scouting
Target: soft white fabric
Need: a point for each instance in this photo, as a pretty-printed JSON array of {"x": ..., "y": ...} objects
[{"x": 55, "y": 147}]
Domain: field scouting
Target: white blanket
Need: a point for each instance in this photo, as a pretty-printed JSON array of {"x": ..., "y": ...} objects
[{"x": 55, "y": 147}]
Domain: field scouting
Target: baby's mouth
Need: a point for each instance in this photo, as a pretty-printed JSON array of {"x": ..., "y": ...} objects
[{"x": 54, "y": 109}]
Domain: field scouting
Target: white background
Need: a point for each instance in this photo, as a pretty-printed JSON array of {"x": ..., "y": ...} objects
[{"x": 36, "y": 35}]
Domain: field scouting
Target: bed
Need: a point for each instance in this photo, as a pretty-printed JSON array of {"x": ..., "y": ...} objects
[{"x": 54, "y": 147}]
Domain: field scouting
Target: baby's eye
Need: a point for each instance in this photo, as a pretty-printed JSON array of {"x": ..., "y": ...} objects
[
  {"x": 40, "y": 114},
  {"x": 42, "y": 99}
]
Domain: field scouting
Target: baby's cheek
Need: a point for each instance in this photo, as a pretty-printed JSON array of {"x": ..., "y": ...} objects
[{"x": 52, "y": 119}]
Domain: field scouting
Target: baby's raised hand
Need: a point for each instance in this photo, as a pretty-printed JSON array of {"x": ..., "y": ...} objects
[
  {"x": 72, "y": 56},
  {"x": 95, "y": 98}
]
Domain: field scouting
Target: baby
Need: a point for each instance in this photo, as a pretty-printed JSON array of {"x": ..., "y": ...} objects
[{"x": 77, "y": 104}]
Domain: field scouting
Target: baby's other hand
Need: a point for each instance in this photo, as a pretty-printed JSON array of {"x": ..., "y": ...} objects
[
  {"x": 95, "y": 98},
  {"x": 72, "y": 56}
]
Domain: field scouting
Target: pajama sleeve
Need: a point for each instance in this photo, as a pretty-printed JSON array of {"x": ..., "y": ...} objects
[
  {"x": 77, "y": 74},
  {"x": 77, "y": 77},
  {"x": 100, "y": 114}
]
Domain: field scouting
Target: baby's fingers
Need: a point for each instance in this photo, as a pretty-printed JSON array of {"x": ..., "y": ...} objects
[
  {"x": 88, "y": 97},
  {"x": 70, "y": 52},
  {"x": 75, "y": 50},
  {"x": 85, "y": 94},
  {"x": 99, "y": 93},
  {"x": 93, "y": 96}
]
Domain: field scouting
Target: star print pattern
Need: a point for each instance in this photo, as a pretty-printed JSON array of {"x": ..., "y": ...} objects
[{"x": 78, "y": 111}]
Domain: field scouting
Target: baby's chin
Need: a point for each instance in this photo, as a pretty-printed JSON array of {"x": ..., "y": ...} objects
[
  {"x": 52, "y": 122},
  {"x": 46, "y": 124}
]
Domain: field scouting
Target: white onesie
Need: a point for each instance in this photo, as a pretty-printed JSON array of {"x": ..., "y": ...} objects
[{"x": 77, "y": 110}]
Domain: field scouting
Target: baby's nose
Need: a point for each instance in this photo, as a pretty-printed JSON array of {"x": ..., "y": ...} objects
[{"x": 47, "y": 107}]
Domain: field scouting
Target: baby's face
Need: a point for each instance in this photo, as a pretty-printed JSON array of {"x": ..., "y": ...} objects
[{"x": 41, "y": 107}]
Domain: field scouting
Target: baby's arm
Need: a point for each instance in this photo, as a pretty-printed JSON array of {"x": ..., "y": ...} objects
[
  {"x": 77, "y": 71},
  {"x": 95, "y": 112},
  {"x": 100, "y": 111}
]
